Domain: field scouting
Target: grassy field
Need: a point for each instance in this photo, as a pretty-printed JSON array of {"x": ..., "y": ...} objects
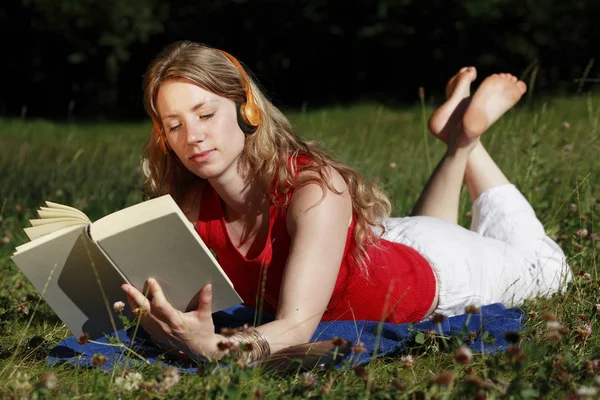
[{"x": 549, "y": 149}]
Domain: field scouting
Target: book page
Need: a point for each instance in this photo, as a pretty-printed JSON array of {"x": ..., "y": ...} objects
[
  {"x": 46, "y": 238},
  {"x": 45, "y": 212},
  {"x": 71, "y": 210},
  {"x": 44, "y": 221},
  {"x": 37, "y": 231},
  {"x": 154, "y": 239},
  {"x": 69, "y": 271},
  {"x": 53, "y": 218}
]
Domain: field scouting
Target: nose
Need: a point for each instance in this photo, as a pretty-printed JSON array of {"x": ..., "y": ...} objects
[{"x": 195, "y": 133}]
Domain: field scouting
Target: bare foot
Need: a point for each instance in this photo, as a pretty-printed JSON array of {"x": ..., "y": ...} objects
[
  {"x": 449, "y": 115},
  {"x": 496, "y": 95}
]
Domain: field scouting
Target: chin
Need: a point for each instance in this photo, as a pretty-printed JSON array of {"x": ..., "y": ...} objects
[
  {"x": 206, "y": 172},
  {"x": 213, "y": 169}
]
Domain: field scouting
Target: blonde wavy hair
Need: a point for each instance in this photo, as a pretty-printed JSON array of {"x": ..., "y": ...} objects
[{"x": 270, "y": 152}]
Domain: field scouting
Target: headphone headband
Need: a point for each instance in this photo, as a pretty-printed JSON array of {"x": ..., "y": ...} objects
[
  {"x": 245, "y": 78},
  {"x": 249, "y": 111}
]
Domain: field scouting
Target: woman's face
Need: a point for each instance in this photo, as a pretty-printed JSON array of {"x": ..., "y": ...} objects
[{"x": 201, "y": 128}]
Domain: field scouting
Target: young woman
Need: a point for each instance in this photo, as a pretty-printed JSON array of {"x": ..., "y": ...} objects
[{"x": 307, "y": 238}]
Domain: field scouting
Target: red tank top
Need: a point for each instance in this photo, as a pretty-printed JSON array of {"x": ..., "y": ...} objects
[{"x": 400, "y": 286}]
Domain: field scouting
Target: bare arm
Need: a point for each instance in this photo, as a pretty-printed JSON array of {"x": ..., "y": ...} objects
[{"x": 318, "y": 232}]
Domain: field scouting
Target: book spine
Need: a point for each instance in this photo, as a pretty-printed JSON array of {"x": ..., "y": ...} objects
[{"x": 88, "y": 232}]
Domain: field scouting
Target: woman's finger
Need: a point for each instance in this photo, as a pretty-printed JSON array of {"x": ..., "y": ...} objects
[
  {"x": 161, "y": 304},
  {"x": 142, "y": 312},
  {"x": 150, "y": 322},
  {"x": 205, "y": 301},
  {"x": 135, "y": 298},
  {"x": 132, "y": 303},
  {"x": 158, "y": 296}
]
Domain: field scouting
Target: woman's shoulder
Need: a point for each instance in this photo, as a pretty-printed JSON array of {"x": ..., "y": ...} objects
[
  {"x": 315, "y": 182},
  {"x": 312, "y": 191},
  {"x": 327, "y": 173}
]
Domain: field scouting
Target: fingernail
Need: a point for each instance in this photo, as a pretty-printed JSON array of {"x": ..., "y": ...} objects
[{"x": 209, "y": 288}]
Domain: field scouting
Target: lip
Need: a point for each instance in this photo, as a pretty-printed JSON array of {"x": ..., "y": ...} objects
[{"x": 202, "y": 157}]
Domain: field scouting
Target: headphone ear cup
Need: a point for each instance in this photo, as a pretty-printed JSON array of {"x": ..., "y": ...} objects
[
  {"x": 251, "y": 112},
  {"x": 242, "y": 119}
]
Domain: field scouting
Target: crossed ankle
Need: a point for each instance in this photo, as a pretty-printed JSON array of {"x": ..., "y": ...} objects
[{"x": 462, "y": 149}]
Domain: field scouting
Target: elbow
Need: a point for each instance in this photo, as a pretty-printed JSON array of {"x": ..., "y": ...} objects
[
  {"x": 303, "y": 328},
  {"x": 305, "y": 335}
]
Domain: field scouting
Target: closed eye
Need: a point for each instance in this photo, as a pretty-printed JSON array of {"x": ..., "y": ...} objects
[
  {"x": 202, "y": 117},
  {"x": 207, "y": 116}
]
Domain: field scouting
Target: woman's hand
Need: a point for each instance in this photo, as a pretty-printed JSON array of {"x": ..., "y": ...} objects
[{"x": 192, "y": 332}]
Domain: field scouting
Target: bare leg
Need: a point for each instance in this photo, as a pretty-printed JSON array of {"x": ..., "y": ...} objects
[
  {"x": 482, "y": 173},
  {"x": 496, "y": 95},
  {"x": 441, "y": 193}
]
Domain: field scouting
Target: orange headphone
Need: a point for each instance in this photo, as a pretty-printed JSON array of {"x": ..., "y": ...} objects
[{"x": 248, "y": 113}]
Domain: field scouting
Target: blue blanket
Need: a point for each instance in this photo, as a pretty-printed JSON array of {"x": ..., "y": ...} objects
[{"x": 379, "y": 339}]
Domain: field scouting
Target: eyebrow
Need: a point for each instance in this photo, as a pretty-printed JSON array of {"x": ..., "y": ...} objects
[{"x": 194, "y": 109}]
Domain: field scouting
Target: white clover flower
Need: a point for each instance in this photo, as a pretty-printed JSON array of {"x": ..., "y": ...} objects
[
  {"x": 48, "y": 381},
  {"x": 22, "y": 382},
  {"x": 586, "y": 392},
  {"x": 171, "y": 377},
  {"x": 118, "y": 306},
  {"x": 129, "y": 381},
  {"x": 582, "y": 232},
  {"x": 463, "y": 355},
  {"x": 308, "y": 380},
  {"x": 408, "y": 361},
  {"x": 553, "y": 325},
  {"x": 586, "y": 276}
]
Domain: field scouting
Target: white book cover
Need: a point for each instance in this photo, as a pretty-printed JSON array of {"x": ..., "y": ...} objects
[{"x": 80, "y": 267}]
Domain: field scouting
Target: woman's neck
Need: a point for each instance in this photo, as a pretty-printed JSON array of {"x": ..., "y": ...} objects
[{"x": 244, "y": 197}]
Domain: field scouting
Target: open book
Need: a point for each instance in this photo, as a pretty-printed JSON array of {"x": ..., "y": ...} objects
[{"x": 79, "y": 266}]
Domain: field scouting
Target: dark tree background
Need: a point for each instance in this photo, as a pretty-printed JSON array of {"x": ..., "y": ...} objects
[{"x": 84, "y": 59}]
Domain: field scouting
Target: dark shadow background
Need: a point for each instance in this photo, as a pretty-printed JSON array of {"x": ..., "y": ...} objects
[{"x": 84, "y": 59}]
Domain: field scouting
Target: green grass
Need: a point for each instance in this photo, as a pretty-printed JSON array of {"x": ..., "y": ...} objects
[{"x": 550, "y": 151}]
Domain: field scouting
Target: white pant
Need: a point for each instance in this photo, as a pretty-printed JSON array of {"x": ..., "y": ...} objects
[{"x": 505, "y": 257}]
